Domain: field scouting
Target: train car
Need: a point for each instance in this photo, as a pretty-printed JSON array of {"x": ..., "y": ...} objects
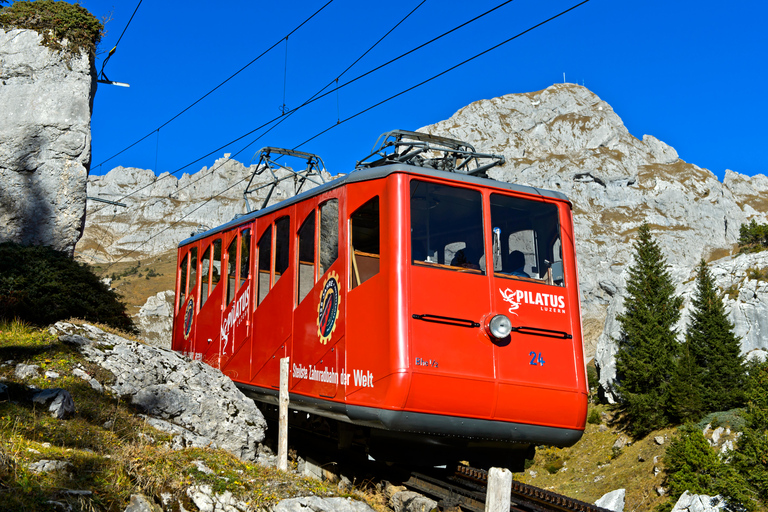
[{"x": 425, "y": 308}]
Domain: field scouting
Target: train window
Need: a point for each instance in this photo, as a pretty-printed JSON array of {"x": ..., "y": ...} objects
[
  {"x": 365, "y": 247},
  {"x": 205, "y": 273},
  {"x": 245, "y": 256},
  {"x": 282, "y": 239},
  {"x": 526, "y": 240},
  {"x": 231, "y": 270},
  {"x": 216, "y": 266},
  {"x": 183, "y": 283},
  {"x": 447, "y": 227},
  {"x": 329, "y": 234},
  {"x": 193, "y": 271},
  {"x": 306, "y": 256},
  {"x": 265, "y": 263}
]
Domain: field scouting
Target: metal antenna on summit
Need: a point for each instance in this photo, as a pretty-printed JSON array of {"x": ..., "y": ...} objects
[{"x": 313, "y": 172}]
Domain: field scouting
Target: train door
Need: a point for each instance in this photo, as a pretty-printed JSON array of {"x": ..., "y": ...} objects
[
  {"x": 208, "y": 333},
  {"x": 528, "y": 286},
  {"x": 186, "y": 305},
  {"x": 318, "y": 319},
  {"x": 273, "y": 314},
  {"x": 235, "y": 356},
  {"x": 449, "y": 301}
]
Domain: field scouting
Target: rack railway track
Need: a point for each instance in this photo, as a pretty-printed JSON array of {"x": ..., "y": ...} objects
[{"x": 466, "y": 490}]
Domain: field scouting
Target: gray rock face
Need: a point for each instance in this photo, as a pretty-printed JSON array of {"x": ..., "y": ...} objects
[
  {"x": 61, "y": 404},
  {"x": 166, "y": 208},
  {"x": 566, "y": 138},
  {"x": 317, "y": 504},
  {"x": 699, "y": 503},
  {"x": 194, "y": 402},
  {"x": 614, "y": 500},
  {"x": 45, "y": 141},
  {"x": 155, "y": 319}
]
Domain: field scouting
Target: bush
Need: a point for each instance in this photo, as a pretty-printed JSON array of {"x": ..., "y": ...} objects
[
  {"x": 42, "y": 286},
  {"x": 56, "y": 21},
  {"x": 694, "y": 466},
  {"x": 593, "y": 417}
]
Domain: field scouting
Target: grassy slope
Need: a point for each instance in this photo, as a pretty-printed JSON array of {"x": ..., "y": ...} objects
[
  {"x": 137, "y": 281},
  {"x": 112, "y": 452}
]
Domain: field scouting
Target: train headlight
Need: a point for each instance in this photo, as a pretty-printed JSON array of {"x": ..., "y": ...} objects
[{"x": 499, "y": 327}]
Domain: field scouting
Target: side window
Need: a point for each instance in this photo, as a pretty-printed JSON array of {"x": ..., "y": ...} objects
[
  {"x": 365, "y": 247},
  {"x": 329, "y": 234},
  {"x": 282, "y": 240},
  {"x": 216, "y": 267},
  {"x": 205, "y": 276},
  {"x": 265, "y": 259},
  {"x": 306, "y": 256},
  {"x": 183, "y": 283},
  {"x": 231, "y": 270},
  {"x": 245, "y": 256},
  {"x": 193, "y": 270}
]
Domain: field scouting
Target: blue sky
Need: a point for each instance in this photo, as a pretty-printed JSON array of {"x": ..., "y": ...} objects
[{"x": 692, "y": 74}]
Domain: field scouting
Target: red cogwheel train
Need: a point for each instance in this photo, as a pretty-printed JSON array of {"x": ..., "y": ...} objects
[{"x": 422, "y": 305}]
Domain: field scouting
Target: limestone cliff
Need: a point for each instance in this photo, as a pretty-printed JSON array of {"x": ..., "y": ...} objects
[
  {"x": 563, "y": 138},
  {"x": 46, "y": 99}
]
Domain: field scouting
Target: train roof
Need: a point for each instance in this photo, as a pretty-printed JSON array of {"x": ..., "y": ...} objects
[{"x": 372, "y": 173}]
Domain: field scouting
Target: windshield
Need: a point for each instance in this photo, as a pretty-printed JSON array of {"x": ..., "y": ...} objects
[
  {"x": 447, "y": 227},
  {"x": 526, "y": 240}
]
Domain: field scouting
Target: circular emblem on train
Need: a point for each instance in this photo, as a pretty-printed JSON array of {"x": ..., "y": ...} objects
[
  {"x": 328, "y": 308},
  {"x": 188, "y": 316}
]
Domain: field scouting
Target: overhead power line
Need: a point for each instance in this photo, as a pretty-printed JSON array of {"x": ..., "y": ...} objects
[
  {"x": 102, "y": 77},
  {"x": 317, "y": 96},
  {"x": 356, "y": 115},
  {"x": 233, "y": 75}
]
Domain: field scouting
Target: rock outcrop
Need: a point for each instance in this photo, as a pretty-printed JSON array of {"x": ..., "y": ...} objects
[
  {"x": 163, "y": 210},
  {"x": 46, "y": 99},
  {"x": 562, "y": 138},
  {"x": 155, "y": 319},
  {"x": 566, "y": 138},
  {"x": 195, "y": 403}
]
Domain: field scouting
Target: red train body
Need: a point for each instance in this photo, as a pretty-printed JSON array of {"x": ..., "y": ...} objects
[{"x": 381, "y": 287}]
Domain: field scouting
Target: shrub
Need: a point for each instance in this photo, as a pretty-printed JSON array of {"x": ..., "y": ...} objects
[
  {"x": 56, "y": 21},
  {"x": 694, "y": 466},
  {"x": 42, "y": 286},
  {"x": 593, "y": 417}
]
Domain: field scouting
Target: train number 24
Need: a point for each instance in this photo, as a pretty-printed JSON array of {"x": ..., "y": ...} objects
[{"x": 536, "y": 359}]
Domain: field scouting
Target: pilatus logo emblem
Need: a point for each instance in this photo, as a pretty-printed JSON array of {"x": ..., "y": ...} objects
[
  {"x": 188, "y": 316},
  {"x": 328, "y": 308}
]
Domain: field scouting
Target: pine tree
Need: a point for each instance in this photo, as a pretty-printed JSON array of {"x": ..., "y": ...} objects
[
  {"x": 647, "y": 345},
  {"x": 687, "y": 392},
  {"x": 715, "y": 347}
]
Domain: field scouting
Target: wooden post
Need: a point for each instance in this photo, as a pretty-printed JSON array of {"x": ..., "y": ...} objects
[
  {"x": 499, "y": 492},
  {"x": 282, "y": 442}
]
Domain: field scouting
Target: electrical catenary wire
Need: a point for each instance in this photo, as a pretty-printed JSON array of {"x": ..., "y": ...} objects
[
  {"x": 114, "y": 48},
  {"x": 320, "y": 96},
  {"x": 215, "y": 88},
  {"x": 151, "y": 237},
  {"x": 213, "y": 169}
]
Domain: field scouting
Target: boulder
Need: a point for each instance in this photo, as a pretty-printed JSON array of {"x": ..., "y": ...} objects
[
  {"x": 46, "y": 101},
  {"x": 196, "y": 403},
  {"x": 155, "y": 319},
  {"x": 61, "y": 404},
  {"x": 613, "y": 500},
  {"x": 699, "y": 503},
  {"x": 317, "y": 504}
]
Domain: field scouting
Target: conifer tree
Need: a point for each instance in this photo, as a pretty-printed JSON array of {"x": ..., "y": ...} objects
[
  {"x": 647, "y": 345},
  {"x": 715, "y": 347},
  {"x": 687, "y": 392}
]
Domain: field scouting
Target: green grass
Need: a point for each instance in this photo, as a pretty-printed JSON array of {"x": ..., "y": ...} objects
[{"x": 112, "y": 452}]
